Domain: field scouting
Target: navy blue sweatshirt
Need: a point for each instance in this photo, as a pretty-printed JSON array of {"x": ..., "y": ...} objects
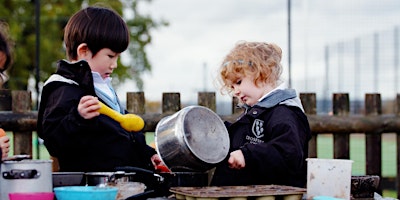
[
  {"x": 273, "y": 136},
  {"x": 99, "y": 144}
]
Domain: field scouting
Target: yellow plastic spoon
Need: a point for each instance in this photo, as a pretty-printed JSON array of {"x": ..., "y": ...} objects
[{"x": 129, "y": 122}]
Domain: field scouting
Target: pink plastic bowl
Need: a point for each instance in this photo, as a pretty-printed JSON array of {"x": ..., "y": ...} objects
[{"x": 32, "y": 196}]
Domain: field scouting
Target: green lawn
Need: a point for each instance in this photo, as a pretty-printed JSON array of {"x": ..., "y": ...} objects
[{"x": 357, "y": 152}]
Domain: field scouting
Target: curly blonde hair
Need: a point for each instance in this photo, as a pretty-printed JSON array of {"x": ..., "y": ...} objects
[{"x": 258, "y": 60}]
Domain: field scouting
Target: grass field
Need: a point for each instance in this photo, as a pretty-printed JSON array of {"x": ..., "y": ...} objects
[
  {"x": 324, "y": 150},
  {"x": 357, "y": 152}
]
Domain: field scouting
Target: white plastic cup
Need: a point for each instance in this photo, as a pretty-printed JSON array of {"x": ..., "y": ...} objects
[{"x": 328, "y": 177}]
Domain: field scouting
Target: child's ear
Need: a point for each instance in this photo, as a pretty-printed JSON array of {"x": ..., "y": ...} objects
[{"x": 83, "y": 51}]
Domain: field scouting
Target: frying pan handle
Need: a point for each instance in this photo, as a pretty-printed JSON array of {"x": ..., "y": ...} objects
[
  {"x": 138, "y": 170},
  {"x": 143, "y": 195},
  {"x": 134, "y": 169},
  {"x": 157, "y": 185}
]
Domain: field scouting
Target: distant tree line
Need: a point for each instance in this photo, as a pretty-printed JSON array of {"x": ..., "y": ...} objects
[{"x": 20, "y": 16}]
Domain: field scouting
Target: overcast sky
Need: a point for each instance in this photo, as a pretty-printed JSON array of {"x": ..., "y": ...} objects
[{"x": 186, "y": 54}]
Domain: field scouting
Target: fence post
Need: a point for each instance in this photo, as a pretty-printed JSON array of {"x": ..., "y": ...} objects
[
  {"x": 398, "y": 148},
  {"x": 373, "y": 106},
  {"x": 207, "y": 99},
  {"x": 135, "y": 102},
  {"x": 171, "y": 102},
  {"x": 341, "y": 107},
  {"x": 309, "y": 102},
  {"x": 235, "y": 108},
  {"x": 22, "y": 103}
]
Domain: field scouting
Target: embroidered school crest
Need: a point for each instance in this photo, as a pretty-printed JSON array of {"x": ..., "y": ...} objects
[{"x": 257, "y": 128}]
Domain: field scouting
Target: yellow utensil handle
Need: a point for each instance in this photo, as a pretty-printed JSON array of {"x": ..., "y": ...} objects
[{"x": 129, "y": 122}]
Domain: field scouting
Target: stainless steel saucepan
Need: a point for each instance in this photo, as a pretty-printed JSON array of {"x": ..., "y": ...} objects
[{"x": 193, "y": 139}]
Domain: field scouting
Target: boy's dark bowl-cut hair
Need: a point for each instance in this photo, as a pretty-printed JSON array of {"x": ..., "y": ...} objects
[{"x": 99, "y": 28}]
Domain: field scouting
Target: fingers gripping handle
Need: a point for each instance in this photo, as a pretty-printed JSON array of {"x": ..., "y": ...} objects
[
  {"x": 129, "y": 122},
  {"x": 2, "y": 132}
]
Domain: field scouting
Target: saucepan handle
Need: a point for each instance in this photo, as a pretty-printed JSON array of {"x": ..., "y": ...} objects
[
  {"x": 134, "y": 169},
  {"x": 142, "y": 196},
  {"x": 142, "y": 171}
]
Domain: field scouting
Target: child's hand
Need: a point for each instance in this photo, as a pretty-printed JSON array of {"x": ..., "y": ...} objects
[
  {"x": 88, "y": 106},
  {"x": 159, "y": 164},
  {"x": 236, "y": 160},
  {"x": 4, "y": 144}
]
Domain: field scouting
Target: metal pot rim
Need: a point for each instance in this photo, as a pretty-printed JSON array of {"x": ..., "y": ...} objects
[
  {"x": 121, "y": 173},
  {"x": 26, "y": 161}
]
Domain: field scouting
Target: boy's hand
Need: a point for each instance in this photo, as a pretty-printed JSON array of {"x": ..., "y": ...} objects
[
  {"x": 88, "y": 106},
  {"x": 236, "y": 160}
]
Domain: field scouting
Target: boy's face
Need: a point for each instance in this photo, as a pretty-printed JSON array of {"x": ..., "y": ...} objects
[
  {"x": 248, "y": 92},
  {"x": 104, "y": 62}
]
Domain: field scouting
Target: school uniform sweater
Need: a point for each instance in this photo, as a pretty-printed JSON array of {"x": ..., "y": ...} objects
[
  {"x": 99, "y": 144},
  {"x": 273, "y": 136}
]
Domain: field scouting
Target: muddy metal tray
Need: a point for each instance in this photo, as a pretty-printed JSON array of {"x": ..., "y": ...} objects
[{"x": 257, "y": 192}]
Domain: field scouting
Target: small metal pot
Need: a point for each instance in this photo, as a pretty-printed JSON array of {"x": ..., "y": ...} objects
[
  {"x": 68, "y": 179},
  {"x": 193, "y": 139},
  {"x": 25, "y": 176}
]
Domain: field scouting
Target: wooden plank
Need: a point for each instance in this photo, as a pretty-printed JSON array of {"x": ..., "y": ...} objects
[
  {"x": 309, "y": 102},
  {"x": 207, "y": 99},
  {"x": 135, "y": 102},
  {"x": 22, "y": 103},
  {"x": 171, "y": 102},
  {"x": 341, "y": 142},
  {"x": 373, "y": 139}
]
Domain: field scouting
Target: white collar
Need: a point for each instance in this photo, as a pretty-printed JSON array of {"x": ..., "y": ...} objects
[
  {"x": 103, "y": 85},
  {"x": 280, "y": 87},
  {"x": 98, "y": 79}
]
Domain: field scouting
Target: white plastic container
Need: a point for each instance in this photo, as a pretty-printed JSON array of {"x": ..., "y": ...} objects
[{"x": 328, "y": 177}]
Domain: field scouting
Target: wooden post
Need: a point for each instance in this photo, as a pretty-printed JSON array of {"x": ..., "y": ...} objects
[
  {"x": 22, "y": 103},
  {"x": 309, "y": 102},
  {"x": 207, "y": 99},
  {"x": 341, "y": 107},
  {"x": 135, "y": 102},
  {"x": 373, "y": 106},
  {"x": 235, "y": 108},
  {"x": 5, "y": 101},
  {"x": 171, "y": 102}
]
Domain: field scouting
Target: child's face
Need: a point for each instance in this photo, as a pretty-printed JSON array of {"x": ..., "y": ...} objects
[
  {"x": 248, "y": 92},
  {"x": 104, "y": 62}
]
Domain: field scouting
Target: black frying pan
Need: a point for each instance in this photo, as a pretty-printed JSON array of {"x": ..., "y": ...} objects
[{"x": 158, "y": 184}]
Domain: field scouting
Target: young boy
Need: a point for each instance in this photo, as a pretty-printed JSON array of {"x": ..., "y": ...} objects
[
  {"x": 68, "y": 119},
  {"x": 269, "y": 142}
]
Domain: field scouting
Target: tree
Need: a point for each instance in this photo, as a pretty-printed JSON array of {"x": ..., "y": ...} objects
[
  {"x": 140, "y": 28},
  {"x": 54, "y": 14}
]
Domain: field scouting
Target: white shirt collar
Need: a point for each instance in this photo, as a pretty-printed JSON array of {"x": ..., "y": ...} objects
[
  {"x": 280, "y": 87},
  {"x": 98, "y": 79},
  {"x": 103, "y": 84}
]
